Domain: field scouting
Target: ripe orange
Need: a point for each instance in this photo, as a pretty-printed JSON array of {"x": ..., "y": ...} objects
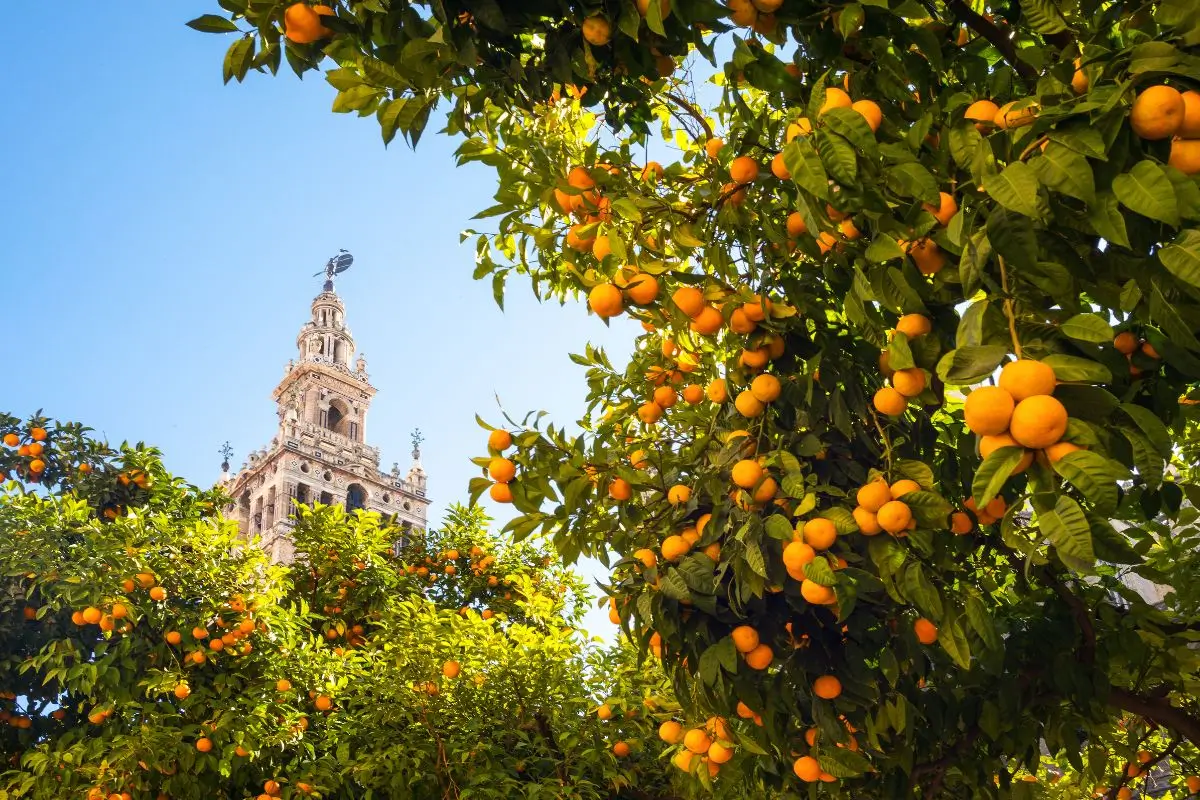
[
  {"x": 914, "y": 325},
  {"x": 765, "y": 387},
  {"x": 597, "y": 31},
  {"x": 742, "y": 12},
  {"x": 664, "y": 397},
  {"x": 92, "y": 615},
  {"x": 903, "y": 487},
  {"x": 1079, "y": 81},
  {"x": 779, "y": 168},
  {"x": 870, "y": 112},
  {"x": 890, "y": 402},
  {"x": 1190, "y": 127},
  {"x": 650, "y": 413},
  {"x": 708, "y": 321},
  {"x": 1009, "y": 116},
  {"x": 909, "y": 382},
  {"x": 173, "y": 637},
  {"x": 1157, "y": 113},
  {"x": 646, "y": 557},
  {"x": 960, "y": 523},
  {"x": 37, "y": 466},
  {"x": 796, "y": 226},
  {"x": 642, "y": 289},
  {"x": 670, "y": 732},
  {"x": 697, "y": 741},
  {"x": 620, "y": 749},
  {"x": 796, "y": 556},
  {"x": 894, "y": 516},
  {"x": 748, "y": 405},
  {"x": 827, "y": 687},
  {"x": 817, "y": 594},
  {"x": 1126, "y": 343},
  {"x": 283, "y": 685},
  {"x": 11, "y": 439},
  {"x": 1055, "y": 452},
  {"x": 678, "y": 494},
  {"x": 620, "y": 490},
  {"x": 983, "y": 114},
  {"x": 1185, "y": 156},
  {"x": 719, "y": 753},
  {"x": 988, "y": 410},
  {"x": 835, "y": 98},
  {"x": 693, "y": 394},
  {"x": 747, "y": 473},
  {"x": 760, "y": 657},
  {"x": 689, "y": 300},
  {"x": 807, "y": 769},
  {"x": 683, "y": 760},
  {"x": 868, "y": 523},
  {"x": 204, "y": 744},
  {"x": 874, "y": 495},
  {"x": 501, "y": 493},
  {"x": 675, "y": 547},
  {"x": 182, "y": 690},
  {"x": 713, "y": 147},
  {"x": 1027, "y": 378},
  {"x": 158, "y": 594},
  {"x": 744, "y": 638},
  {"x": 927, "y": 256},
  {"x": 927, "y": 632},
  {"x": 989, "y": 444},
  {"x": 500, "y": 440},
  {"x": 757, "y": 358},
  {"x": 801, "y": 127},
  {"x": 302, "y": 23},
  {"x": 946, "y": 209},
  {"x": 819, "y": 533},
  {"x": 606, "y": 300},
  {"x": 1038, "y": 422},
  {"x": 323, "y": 703},
  {"x": 766, "y": 490},
  {"x": 502, "y": 469},
  {"x": 743, "y": 170}
]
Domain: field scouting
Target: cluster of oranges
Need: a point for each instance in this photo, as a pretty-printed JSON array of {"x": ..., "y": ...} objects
[
  {"x": 33, "y": 450},
  {"x": 302, "y": 23},
  {"x": 501, "y": 470},
  {"x": 710, "y": 744},
  {"x": 881, "y": 509},
  {"x": 1020, "y": 412},
  {"x": 907, "y": 383},
  {"x": 1128, "y": 344},
  {"x": 1163, "y": 112}
]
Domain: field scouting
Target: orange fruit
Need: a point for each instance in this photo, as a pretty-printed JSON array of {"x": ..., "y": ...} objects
[
  {"x": 890, "y": 402},
  {"x": 182, "y": 690},
  {"x": 909, "y": 382},
  {"x": 894, "y": 516},
  {"x": 1079, "y": 81},
  {"x": 621, "y": 749},
  {"x": 173, "y": 637},
  {"x": 693, "y": 394},
  {"x": 779, "y": 168},
  {"x": 1193, "y": 784},
  {"x": 960, "y": 523},
  {"x": 835, "y": 98},
  {"x": 1009, "y": 116},
  {"x": 748, "y": 405},
  {"x": 683, "y": 760},
  {"x": 989, "y": 444},
  {"x": 1056, "y": 451},
  {"x": 874, "y": 495},
  {"x": 826, "y": 242},
  {"x": 697, "y": 741},
  {"x": 604, "y": 711},
  {"x": 1027, "y": 378},
  {"x": 988, "y": 410},
  {"x": 807, "y": 769},
  {"x": 742, "y": 12},
  {"x": 719, "y": 753},
  {"x": 1038, "y": 422},
  {"x": 707, "y": 322},
  {"x": 204, "y": 744},
  {"x": 650, "y": 413},
  {"x": 801, "y": 127},
  {"x": 322, "y": 703},
  {"x": 92, "y": 615},
  {"x": 819, "y": 533},
  {"x": 743, "y": 170},
  {"x": 646, "y": 557},
  {"x": 983, "y": 114},
  {"x": 501, "y": 493},
  {"x": 1157, "y": 113},
  {"x": 760, "y": 657},
  {"x": 903, "y": 487},
  {"x": 747, "y": 473},
  {"x": 926, "y": 631},
  {"x": 11, "y": 439},
  {"x": 158, "y": 594},
  {"x": 283, "y": 685},
  {"x": 620, "y": 490},
  {"x": 670, "y": 732},
  {"x": 868, "y": 523},
  {"x": 796, "y": 556},
  {"x": 870, "y": 112},
  {"x": 606, "y": 300},
  {"x": 796, "y": 226},
  {"x": 744, "y": 638},
  {"x": 302, "y": 25},
  {"x": 37, "y": 466},
  {"x": 927, "y": 256},
  {"x": 502, "y": 470},
  {"x": 1185, "y": 156},
  {"x": 765, "y": 491},
  {"x": 1149, "y": 351},
  {"x": 1190, "y": 127},
  {"x": 914, "y": 325},
  {"x": 642, "y": 289},
  {"x": 756, "y": 359},
  {"x": 689, "y": 300},
  {"x": 1126, "y": 343},
  {"x": 946, "y": 209},
  {"x": 827, "y": 687},
  {"x": 664, "y": 397},
  {"x": 678, "y": 494},
  {"x": 674, "y": 548},
  {"x": 765, "y": 388},
  {"x": 817, "y": 594},
  {"x": 597, "y": 31}
]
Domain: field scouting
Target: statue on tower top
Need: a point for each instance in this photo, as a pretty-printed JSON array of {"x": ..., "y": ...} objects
[{"x": 335, "y": 266}]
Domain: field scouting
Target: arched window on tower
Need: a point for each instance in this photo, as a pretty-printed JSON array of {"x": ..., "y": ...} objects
[
  {"x": 335, "y": 420},
  {"x": 356, "y": 497}
]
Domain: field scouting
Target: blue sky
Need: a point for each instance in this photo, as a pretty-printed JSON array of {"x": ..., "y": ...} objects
[{"x": 161, "y": 234}]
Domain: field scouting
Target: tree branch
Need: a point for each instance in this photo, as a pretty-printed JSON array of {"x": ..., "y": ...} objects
[
  {"x": 1157, "y": 710},
  {"x": 691, "y": 110},
  {"x": 976, "y": 22}
]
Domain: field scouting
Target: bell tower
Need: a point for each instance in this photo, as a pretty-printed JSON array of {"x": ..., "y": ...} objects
[{"x": 319, "y": 453}]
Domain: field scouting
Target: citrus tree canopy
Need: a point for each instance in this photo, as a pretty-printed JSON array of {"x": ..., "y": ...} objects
[
  {"x": 895, "y": 477},
  {"x": 148, "y": 652}
]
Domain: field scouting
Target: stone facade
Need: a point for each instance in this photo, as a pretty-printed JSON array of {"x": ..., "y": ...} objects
[{"x": 319, "y": 454}]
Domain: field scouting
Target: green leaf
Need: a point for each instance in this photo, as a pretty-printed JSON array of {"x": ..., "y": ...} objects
[
  {"x": 1106, "y": 217},
  {"x": 1067, "y": 529},
  {"x": 837, "y": 155},
  {"x": 1090, "y": 473},
  {"x": 921, "y": 592},
  {"x": 819, "y": 571},
  {"x": 851, "y": 20},
  {"x": 1076, "y": 369},
  {"x": 805, "y": 166},
  {"x": 1043, "y": 16},
  {"x": 954, "y": 642},
  {"x": 993, "y": 472},
  {"x": 1016, "y": 188},
  {"x": 382, "y": 73},
  {"x": 966, "y": 365},
  {"x": 1013, "y": 237},
  {"x": 1182, "y": 257},
  {"x": 238, "y": 58},
  {"x": 981, "y": 622},
  {"x": 841, "y": 762},
  {"x": 1151, "y": 425},
  {"x": 1063, "y": 170},
  {"x": 1088, "y": 328},
  {"x": 777, "y": 527},
  {"x": 211, "y": 23},
  {"x": 852, "y": 126},
  {"x": 899, "y": 354},
  {"x": 883, "y": 248},
  {"x": 754, "y": 558},
  {"x": 910, "y": 179},
  {"x": 1168, "y": 319},
  {"x": 1147, "y": 190}
]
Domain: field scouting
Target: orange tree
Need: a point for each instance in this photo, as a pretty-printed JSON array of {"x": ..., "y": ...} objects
[
  {"x": 148, "y": 652},
  {"x": 895, "y": 470}
]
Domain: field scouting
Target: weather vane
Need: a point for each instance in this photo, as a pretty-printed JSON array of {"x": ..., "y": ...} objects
[
  {"x": 335, "y": 266},
  {"x": 226, "y": 454},
  {"x": 417, "y": 438}
]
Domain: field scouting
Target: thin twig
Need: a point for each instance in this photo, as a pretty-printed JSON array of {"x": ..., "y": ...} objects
[
  {"x": 691, "y": 110},
  {"x": 1008, "y": 307},
  {"x": 988, "y": 30}
]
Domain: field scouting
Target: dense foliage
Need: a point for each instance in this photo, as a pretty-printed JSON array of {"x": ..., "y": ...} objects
[{"x": 147, "y": 652}]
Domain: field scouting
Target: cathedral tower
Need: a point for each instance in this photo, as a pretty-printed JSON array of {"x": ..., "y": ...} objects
[{"x": 320, "y": 454}]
